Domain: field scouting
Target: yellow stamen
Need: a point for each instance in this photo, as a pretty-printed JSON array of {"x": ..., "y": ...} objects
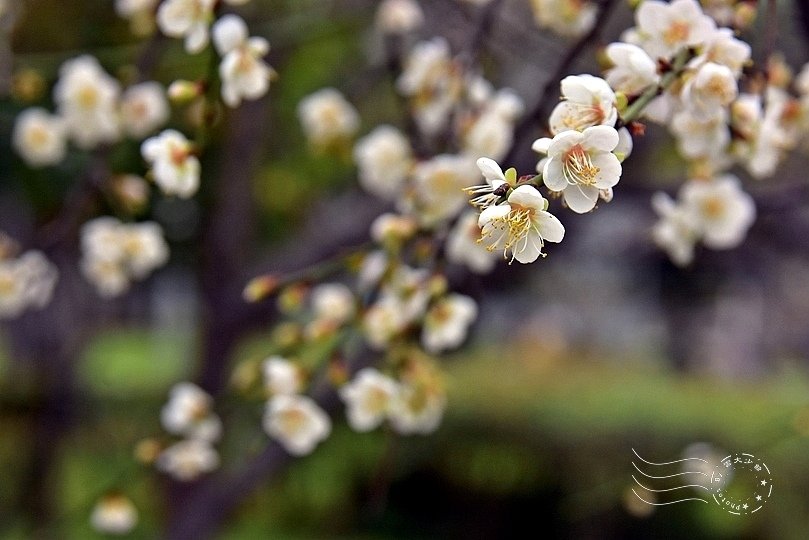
[{"x": 578, "y": 167}]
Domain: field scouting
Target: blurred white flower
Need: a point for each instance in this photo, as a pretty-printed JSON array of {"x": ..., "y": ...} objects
[
  {"x": 447, "y": 322},
  {"x": 522, "y": 225},
  {"x": 39, "y": 137},
  {"x": 297, "y": 422},
  {"x": 384, "y": 320},
  {"x": 327, "y": 117},
  {"x": 244, "y": 74},
  {"x": 187, "y": 19},
  {"x": 438, "y": 187},
  {"x": 26, "y": 282},
  {"x": 723, "y": 211},
  {"x": 725, "y": 49},
  {"x": 282, "y": 376},
  {"x": 144, "y": 108},
  {"x": 463, "y": 245},
  {"x": 333, "y": 302},
  {"x": 189, "y": 413},
  {"x": 399, "y": 16},
  {"x": 565, "y": 17},
  {"x": 87, "y": 101},
  {"x": 384, "y": 159},
  {"x": 586, "y": 101},
  {"x": 175, "y": 168},
  {"x": 417, "y": 409},
  {"x": 188, "y": 459},
  {"x": 711, "y": 90},
  {"x": 368, "y": 398},
  {"x": 701, "y": 135},
  {"x": 633, "y": 70},
  {"x": 113, "y": 253},
  {"x": 582, "y": 163},
  {"x": 114, "y": 514},
  {"x": 676, "y": 231},
  {"x": 665, "y": 28},
  {"x": 433, "y": 82}
]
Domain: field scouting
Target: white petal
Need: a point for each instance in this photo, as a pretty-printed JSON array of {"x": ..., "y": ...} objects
[{"x": 581, "y": 199}]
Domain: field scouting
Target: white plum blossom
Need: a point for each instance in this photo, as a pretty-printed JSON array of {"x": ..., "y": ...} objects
[
  {"x": 187, "y": 19},
  {"x": 496, "y": 182},
  {"x": 586, "y": 101},
  {"x": 676, "y": 231},
  {"x": 570, "y": 18},
  {"x": 175, "y": 168},
  {"x": 417, "y": 409},
  {"x": 282, "y": 376},
  {"x": 384, "y": 159},
  {"x": 87, "y": 101},
  {"x": 714, "y": 211},
  {"x": 447, "y": 323},
  {"x": 582, "y": 163},
  {"x": 722, "y": 210},
  {"x": 433, "y": 82},
  {"x": 633, "y": 71},
  {"x": 297, "y": 422},
  {"x": 491, "y": 131},
  {"x": 114, "y": 253},
  {"x": 437, "y": 189},
  {"x": 26, "y": 282},
  {"x": 725, "y": 49},
  {"x": 463, "y": 246},
  {"x": 189, "y": 413},
  {"x": 327, "y": 117},
  {"x": 700, "y": 136},
  {"x": 393, "y": 228},
  {"x": 333, "y": 302},
  {"x": 244, "y": 74},
  {"x": 522, "y": 225},
  {"x": 665, "y": 28},
  {"x": 39, "y": 137},
  {"x": 710, "y": 90},
  {"x": 144, "y": 108},
  {"x": 188, "y": 459},
  {"x": 114, "y": 514},
  {"x": 399, "y": 16},
  {"x": 384, "y": 320},
  {"x": 368, "y": 398}
]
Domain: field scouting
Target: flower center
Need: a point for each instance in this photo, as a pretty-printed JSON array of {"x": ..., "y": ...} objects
[
  {"x": 676, "y": 33},
  {"x": 87, "y": 97},
  {"x": 37, "y": 137},
  {"x": 583, "y": 116},
  {"x": 6, "y": 285},
  {"x": 578, "y": 167},
  {"x": 178, "y": 155},
  {"x": 713, "y": 208},
  {"x": 293, "y": 421},
  {"x": 510, "y": 230}
]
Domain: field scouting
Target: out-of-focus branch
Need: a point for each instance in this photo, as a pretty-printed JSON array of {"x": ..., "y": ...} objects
[{"x": 537, "y": 115}]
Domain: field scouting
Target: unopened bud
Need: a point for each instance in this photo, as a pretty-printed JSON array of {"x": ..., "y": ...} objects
[
  {"x": 181, "y": 92},
  {"x": 292, "y": 298},
  {"x": 147, "y": 450},
  {"x": 131, "y": 191},
  {"x": 260, "y": 288}
]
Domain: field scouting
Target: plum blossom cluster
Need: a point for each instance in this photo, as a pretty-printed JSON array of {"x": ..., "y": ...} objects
[
  {"x": 115, "y": 253},
  {"x": 91, "y": 110},
  {"x": 189, "y": 414},
  {"x": 678, "y": 68},
  {"x": 26, "y": 280}
]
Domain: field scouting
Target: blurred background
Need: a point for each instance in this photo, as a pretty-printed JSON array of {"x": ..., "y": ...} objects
[{"x": 603, "y": 347}]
